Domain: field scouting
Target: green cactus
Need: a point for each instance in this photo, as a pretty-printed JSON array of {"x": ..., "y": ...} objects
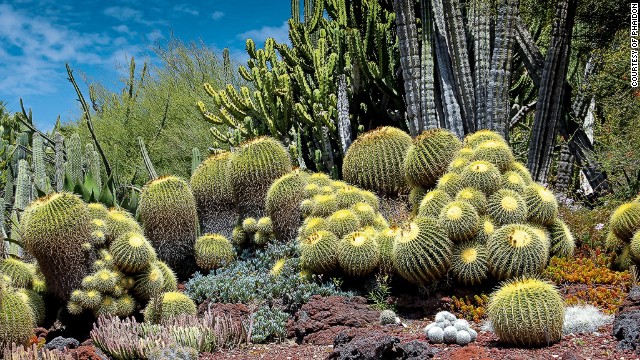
[
  {"x": 511, "y": 180},
  {"x": 459, "y": 220},
  {"x": 521, "y": 170},
  {"x": 562, "y": 242},
  {"x": 480, "y": 136},
  {"x": 458, "y": 165},
  {"x": 104, "y": 281},
  {"x": 347, "y": 196},
  {"x": 469, "y": 263},
  {"x": 495, "y": 152},
  {"x": 324, "y": 205},
  {"x": 196, "y": 159},
  {"x": 451, "y": 183},
  {"x": 171, "y": 304},
  {"x": 120, "y": 222},
  {"x": 527, "y": 312},
  {"x": 250, "y": 225},
  {"x": 264, "y": 225},
  {"x": 365, "y": 213},
  {"x": 238, "y": 236},
  {"x": 343, "y": 222},
  {"x": 474, "y": 197},
  {"x": 625, "y": 220},
  {"x": 58, "y": 221},
  {"x": 132, "y": 253},
  {"x": 634, "y": 246},
  {"x": 108, "y": 307},
  {"x": 168, "y": 212},
  {"x": 261, "y": 239},
  {"x": 516, "y": 250},
  {"x": 427, "y": 158},
  {"x": 320, "y": 179},
  {"x": 483, "y": 176},
  {"x": 86, "y": 299},
  {"x": 254, "y": 167},
  {"x": 98, "y": 211},
  {"x": 211, "y": 185},
  {"x": 40, "y": 178},
  {"x": 358, "y": 254},
  {"x": 433, "y": 202},
  {"x": 283, "y": 204},
  {"x": 541, "y": 204},
  {"x": 487, "y": 228},
  {"x": 16, "y": 318},
  {"x": 149, "y": 283},
  {"x": 125, "y": 305},
  {"x": 21, "y": 273},
  {"x": 613, "y": 243},
  {"x": 507, "y": 207},
  {"x": 423, "y": 252},
  {"x": 74, "y": 158},
  {"x": 375, "y": 161},
  {"x": 213, "y": 251},
  {"x": 170, "y": 282},
  {"x": 386, "y": 239},
  {"x": 318, "y": 252},
  {"x": 35, "y": 302},
  {"x": 415, "y": 197}
]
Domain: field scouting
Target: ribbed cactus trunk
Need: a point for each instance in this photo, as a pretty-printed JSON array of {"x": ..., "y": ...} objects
[
  {"x": 344, "y": 124},
  {"x": 457, "y": 44},
  {"x": 500, "y": 73},
  {"x": 74, "y": 158},
  {"x": 552, "y": 96},
  {"x": 59, "y": 161},
  {"x": 480, "y": 32},
  {"x": 196, "y": 159},
  {"x": 452, "y": 116},
  {"x": 427, "y": 68},
  {"x": 410, "y": 63},
  {"x": 565, "y": 170}
]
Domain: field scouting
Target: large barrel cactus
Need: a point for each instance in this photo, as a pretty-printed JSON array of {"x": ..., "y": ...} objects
[
  {"x": 429, "y": 155},
  {"x": 375, "y": 161},
  {"x": 168, "y": 212},
  {"x": 57, "y": 231},
  {"x": 254, "y": 167},
  {"x": 211, "y": 185},
  {"x": 283, "y": 203}
]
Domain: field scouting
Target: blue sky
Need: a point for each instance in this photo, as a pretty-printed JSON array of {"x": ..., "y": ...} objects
[{"x": 38, "y": 37}]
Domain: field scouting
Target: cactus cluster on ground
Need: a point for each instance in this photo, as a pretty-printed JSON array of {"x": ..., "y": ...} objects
[
  {"x": 448, "y": 329},
  {"x": 623, "y": 239}
]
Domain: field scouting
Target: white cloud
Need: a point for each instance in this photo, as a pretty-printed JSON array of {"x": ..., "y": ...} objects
[
  {"x": 185, "y": 9},
  {"x": 279, "y": 33},
  {"x": 33, "y": 51},
  {"x": 123, "y": 13},
  {"x": 154, "y": 35},
  {"x": 217, "y": 15},
  {"x": 124, "y": 29}
]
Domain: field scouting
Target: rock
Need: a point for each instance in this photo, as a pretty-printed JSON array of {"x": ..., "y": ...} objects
[
  {"x": 378, "y": 345},
  {"x": 626, "y": 328},
  {"x": 570, "y": 355},
  {"x": 60, "y": 343},
  {"x": 322, "y": 318}
]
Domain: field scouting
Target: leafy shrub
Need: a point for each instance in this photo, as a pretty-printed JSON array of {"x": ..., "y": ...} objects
[
  {"x": 471, "y": 308},
  {"x": 268, "y": 324},
  {"x": 251, "y": 281}
]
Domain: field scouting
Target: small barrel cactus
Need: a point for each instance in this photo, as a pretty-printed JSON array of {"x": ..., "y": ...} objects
[{"x": 388, "y": 317}]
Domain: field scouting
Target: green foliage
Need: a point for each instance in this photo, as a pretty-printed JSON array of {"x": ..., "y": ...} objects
[
  {"x": 170, "y": 220},
  {"x": 527, "y": 312},
  {"x": 250, "y": 280},
  {"x": 268, "y": 324},
  {"x": 213, "y": 251},
  {"x": 375, "y": 161}
]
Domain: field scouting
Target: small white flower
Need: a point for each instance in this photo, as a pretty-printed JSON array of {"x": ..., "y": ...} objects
[{"x": 599, "y": 226}]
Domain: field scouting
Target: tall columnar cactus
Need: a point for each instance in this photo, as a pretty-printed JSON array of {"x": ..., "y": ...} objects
[
  {"x": 59, "y": 221},
  {"x": 170, "y": 220},
  {"x": 92, "y": 163},
  {"x": 527, "y": 312},
  {"x": 195, "y": 159},
  {"x": 74, "y": 158},
  {"x": 59, "y": 161},
  {"x": 375, "y": 161},
  {"x": 254, "y": 166},
  {"x": 211, "y": 184},
  {"x": 40, "y": 178}
]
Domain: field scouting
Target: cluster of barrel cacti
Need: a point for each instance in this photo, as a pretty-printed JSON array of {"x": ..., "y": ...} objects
[
  {"x": 623, "y": 239},
  {"x": 477, "y": 212},
  {"x": 21, "y": 304}
]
